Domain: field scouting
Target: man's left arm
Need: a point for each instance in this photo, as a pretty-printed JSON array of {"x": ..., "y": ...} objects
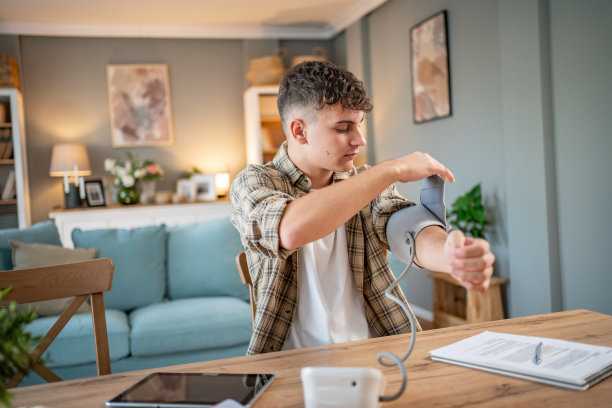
[{"x": 469, "y": 260}]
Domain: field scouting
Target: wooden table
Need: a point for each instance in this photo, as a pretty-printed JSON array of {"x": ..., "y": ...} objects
[{"x": 430, "y": 383}]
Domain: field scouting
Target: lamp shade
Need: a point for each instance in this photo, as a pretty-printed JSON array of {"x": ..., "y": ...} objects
[{"x": 66, "y": 156}]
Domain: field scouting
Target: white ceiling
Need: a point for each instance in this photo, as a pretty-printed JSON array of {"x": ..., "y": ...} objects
[{"x": 182, "y": 18}]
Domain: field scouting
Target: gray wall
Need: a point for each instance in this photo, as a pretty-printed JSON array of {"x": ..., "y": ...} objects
[
  {"x": 65, "y": 99},
  {"x": 528, "y": 122},
  {"x": 581, "y": 67}
]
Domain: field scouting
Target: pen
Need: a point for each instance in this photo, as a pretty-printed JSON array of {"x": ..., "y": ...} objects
[{"x": 537, "y": 358}]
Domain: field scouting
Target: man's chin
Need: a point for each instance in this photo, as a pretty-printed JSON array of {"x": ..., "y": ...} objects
[{"x": 345, "y": 166}]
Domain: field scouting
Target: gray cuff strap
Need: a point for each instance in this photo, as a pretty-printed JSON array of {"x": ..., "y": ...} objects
[{"x": 410, "y": 220}]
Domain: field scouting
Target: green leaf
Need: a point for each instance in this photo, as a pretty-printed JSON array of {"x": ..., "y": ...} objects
[{"x": 468, "y": 213}]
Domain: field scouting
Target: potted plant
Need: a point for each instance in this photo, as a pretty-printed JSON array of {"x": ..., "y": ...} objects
[
  {"x": 15, "y": 344},
  {"x": 467, "y": 213}
]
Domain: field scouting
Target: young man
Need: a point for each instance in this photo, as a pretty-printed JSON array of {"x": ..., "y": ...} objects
[{"x": 313, "y": 225}]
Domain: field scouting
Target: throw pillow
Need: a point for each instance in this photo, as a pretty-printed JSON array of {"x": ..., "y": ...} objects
[
  {"x": 26, "y": 255},
  {"x": 139, "y": 256},
  {"x": 42, "y": 233},
  {"x": 202, "y": 260}
]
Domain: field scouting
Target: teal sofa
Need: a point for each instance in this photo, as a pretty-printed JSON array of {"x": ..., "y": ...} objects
[{"x": 176, "y": 297}]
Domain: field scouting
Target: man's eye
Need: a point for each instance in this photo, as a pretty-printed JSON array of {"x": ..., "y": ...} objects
[{"x": 341, "y": 130}]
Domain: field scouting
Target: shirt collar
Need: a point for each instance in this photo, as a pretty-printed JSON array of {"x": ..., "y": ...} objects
[{"x": 297, "y": 177}]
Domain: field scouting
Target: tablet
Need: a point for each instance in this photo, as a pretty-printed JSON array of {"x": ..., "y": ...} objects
[{"x": 182, "y": 390}]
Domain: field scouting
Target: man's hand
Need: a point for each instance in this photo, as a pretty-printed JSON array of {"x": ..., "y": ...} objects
[
  {"x": 470, "y": 259},
  {"x": 417, "y": 166}
]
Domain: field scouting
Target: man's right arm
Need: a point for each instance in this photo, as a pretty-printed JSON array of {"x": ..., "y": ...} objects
[{"x": 321, "y": 212}]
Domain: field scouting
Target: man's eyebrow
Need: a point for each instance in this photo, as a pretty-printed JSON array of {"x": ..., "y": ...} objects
[{"x": 350, "y": 122}]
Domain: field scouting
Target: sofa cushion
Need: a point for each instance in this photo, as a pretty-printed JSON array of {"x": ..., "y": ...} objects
[
  {"x": 201, "y": 260},
  {"x": 43, "y": 232},
  {"x": 139, "y": 256},
  {"x": 75, "y": 343},
  {"x": 26, "y": 255},
  {"x": 189, "y": 324}
]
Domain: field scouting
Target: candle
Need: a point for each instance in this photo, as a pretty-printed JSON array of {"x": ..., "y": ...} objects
[
  {"x": 66, "y": 190},
  {"x": 82, "y": 188},
  {"x": 76, "y": 175}
]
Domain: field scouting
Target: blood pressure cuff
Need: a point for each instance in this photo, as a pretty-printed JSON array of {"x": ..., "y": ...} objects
[{"x": 411, "y": 220}]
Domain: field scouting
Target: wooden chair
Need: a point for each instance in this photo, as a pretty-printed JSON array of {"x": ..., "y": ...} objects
[
  {"x": 78, "y": 279},
  {"x": 245, "y": 277}
]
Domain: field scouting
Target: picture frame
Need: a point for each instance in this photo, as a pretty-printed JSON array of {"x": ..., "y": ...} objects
[
  {"x": 139, "y": 104},
  {"x": 430, "y": 69},
  {"x": 205, "y": 187},
  {"x": 94, "y": 193},
  {"x": 186, "y": 188}
]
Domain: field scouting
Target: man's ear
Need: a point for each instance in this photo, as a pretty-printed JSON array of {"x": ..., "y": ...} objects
[{"x": 298, "y": 131}]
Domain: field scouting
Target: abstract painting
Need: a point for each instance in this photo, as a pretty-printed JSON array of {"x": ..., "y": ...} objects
[
  {"x": 139, "y": 99},
  {"x": 430, "y": 69}
]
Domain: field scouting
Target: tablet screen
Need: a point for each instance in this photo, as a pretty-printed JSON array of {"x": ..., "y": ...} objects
[{"x": 192, "y": 390}]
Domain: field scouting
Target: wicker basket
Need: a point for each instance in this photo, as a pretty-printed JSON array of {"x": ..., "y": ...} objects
[
  {"x": 9, "y": 72},
  {"x": 265, "y": 70}
]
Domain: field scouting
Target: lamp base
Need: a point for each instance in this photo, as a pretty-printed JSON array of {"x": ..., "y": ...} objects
[{"x": 72, "y": 199}]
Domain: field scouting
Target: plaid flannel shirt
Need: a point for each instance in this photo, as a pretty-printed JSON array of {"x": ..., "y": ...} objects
[{"x": 259, "y": 195}]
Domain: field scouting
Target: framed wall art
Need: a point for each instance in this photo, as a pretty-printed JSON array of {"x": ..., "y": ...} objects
[
  {"x": 431, "y": 97},
  {"x": 94, "y": 193},
  {"x": 139, "y": 102}
]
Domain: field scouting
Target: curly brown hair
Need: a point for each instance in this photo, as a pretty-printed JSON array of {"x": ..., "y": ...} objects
[{"x": 316, "y": 84}]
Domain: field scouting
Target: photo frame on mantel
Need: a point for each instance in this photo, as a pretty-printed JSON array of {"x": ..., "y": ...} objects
[
  {"x": 94, "y": 193},
  {"x": 431, "y": 92},
  {"x": 139, "y": 102}
]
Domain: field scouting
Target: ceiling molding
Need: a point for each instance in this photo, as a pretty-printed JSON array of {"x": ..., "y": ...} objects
[
  {"x": 156, "y": 31},
  {"x": 255, "y": 31}
]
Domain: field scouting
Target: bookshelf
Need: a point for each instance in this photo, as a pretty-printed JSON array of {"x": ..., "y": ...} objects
[
  {"x": 264, "y": 132},
  {"x": 14, "y": 190}
]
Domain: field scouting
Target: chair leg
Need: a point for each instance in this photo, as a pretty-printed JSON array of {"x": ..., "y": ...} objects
[{"x": 100, "y": 335}]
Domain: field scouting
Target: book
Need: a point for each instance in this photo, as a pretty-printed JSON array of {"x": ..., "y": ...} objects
[
  {"x": 9, "y": 188},
  {"x": 560, "y": 363},
  {"x": 8, "y": 150},
  {"x": 4, "y": 138}
]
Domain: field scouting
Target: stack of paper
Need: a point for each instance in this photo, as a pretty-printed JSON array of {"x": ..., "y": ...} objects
[{"x": 562, "y": 363}]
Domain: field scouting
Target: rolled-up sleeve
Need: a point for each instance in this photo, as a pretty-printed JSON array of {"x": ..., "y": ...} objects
[{"x": 257, "y": 207}]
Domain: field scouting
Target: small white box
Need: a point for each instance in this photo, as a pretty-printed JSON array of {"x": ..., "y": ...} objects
[{"x": 336, "y": 387}]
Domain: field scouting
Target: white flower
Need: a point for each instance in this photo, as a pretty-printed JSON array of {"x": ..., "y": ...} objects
[
  {"x": 109, "y": 165},
  {"x": 140, "y": 173},
  {"x": 127, "y": 181}
]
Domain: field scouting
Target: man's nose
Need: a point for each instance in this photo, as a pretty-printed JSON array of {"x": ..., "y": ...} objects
[{"x": 358, "y": 139}]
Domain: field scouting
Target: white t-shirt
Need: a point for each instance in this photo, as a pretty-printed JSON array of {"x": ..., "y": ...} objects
[{"x": 329, "y": 307}]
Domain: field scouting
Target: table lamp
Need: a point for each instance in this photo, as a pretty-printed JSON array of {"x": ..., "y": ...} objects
[
  {"x": 70, "y": 160},
  {"x": 222, "y": 184}
]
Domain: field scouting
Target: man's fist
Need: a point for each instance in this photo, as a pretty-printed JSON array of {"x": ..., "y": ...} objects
[{"x": 470, "y": 260}]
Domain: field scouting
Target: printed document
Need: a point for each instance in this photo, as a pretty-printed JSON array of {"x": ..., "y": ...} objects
[{"x": 557, "y": 362}]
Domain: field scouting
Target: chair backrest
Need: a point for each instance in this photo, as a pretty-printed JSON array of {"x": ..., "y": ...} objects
[
  {"x": 245, "y": 277},
  {"x": 78, "y": 279}
]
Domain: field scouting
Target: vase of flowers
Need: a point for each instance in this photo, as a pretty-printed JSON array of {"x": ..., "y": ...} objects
[
  {"x": 128, "y": 195},
  {"x": 153, "y": 172},
  {"x": 128, "y": 173}
]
